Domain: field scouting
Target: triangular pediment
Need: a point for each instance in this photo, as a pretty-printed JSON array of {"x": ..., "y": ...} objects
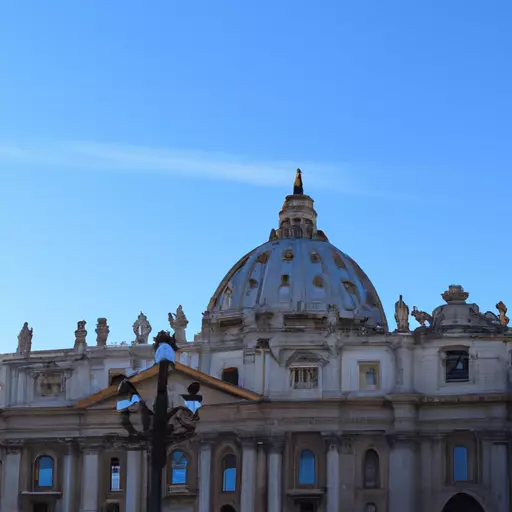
[{"x": 214, "y": 391}]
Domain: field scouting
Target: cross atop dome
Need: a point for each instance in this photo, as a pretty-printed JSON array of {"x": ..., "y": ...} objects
[{"x": 298, "y": 188}]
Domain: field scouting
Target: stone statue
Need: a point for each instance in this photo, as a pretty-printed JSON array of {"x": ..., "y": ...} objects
[
  {"x": 504, "y": 319},
  {"x": 25, "y": 340},
  {"x": 142, "y": 329},
  {"x": 421, "y": 316},
  {"x": 102, "y": 332},
  {"x": 402, "y": 315},
  {"x": 179, "y": 324},
  {"x": 333, "y": 316},
  {"x": 80, "y": 335}
]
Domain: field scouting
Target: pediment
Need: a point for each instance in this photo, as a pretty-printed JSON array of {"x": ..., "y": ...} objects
[{"x": 214, "y": 391}]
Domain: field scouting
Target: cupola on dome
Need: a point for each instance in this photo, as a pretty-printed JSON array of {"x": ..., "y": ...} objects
[{"x": 298, "y": 270}]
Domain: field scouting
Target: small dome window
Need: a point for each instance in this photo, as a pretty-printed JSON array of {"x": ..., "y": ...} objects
[
  {"x": 318, "y": 282},
  {"x": 253, "y": 283},
  {"x": 263, "y": 258},
  {"x": 285, "y": 280},
  {"x": 314, "y": 257},
  {"x": 338, "y": 260},
  {"x": 351, "y": 288},
  {"x": 288, "y": 255}
]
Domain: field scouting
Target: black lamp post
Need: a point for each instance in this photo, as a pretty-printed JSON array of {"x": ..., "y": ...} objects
[{"x": 156, "y": 424}]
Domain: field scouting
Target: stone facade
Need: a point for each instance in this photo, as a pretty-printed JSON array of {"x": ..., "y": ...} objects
[{"x": 312, "y": 403}]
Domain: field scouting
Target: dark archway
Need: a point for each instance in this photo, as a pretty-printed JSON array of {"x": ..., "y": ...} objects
[
  {"x": 463, "y": 503},
  {"x": 227, "y": 508}
]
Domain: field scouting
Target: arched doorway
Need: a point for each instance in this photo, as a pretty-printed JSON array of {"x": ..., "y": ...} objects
[
  {"x": 463, "y": 503},
  {"x": 227, "y": 508}
]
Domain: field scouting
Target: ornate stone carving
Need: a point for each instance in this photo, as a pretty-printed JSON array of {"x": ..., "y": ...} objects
[
  {"x": 142, "y": 329},
  {"x": 333, "y": 316},
  {"x": 80, "y": 335},
  {"x": 402, "y": 315},
  {"x": 455, "y": 294},
  {"x": 25, "y": 340},
  {"x": 102, "y": 332},
  {"x": 421, "y": 316},
  {"x": 504, "y": 319},
  {"x": 179, "y": 323}
]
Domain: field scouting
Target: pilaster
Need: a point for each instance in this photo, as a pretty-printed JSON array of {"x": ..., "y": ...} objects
[
  {"x": 402, "y": 473},
  {"x": 332, "y": 444},
  {"x": 275, "y": 476},
  {"x": 205, "y": 463},
  {"x": 249, "y": 460},
  {"x": 11, "y": 478}
]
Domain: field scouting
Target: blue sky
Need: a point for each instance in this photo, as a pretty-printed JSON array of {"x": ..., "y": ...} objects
[{"x": 144, "y": 147}]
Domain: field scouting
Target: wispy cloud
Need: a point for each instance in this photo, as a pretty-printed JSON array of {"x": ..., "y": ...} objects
[{"x": 72, "y": 156}]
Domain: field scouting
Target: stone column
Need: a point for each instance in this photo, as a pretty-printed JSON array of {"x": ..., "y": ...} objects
[
  {"x": 205, "y": 471},
  {"x": 11, "y": 480},
  {"x": 134, "y": 479},
  {"x": 68, "y": 494},
  {"x": 90, "y": 479},
  {"x": 248, "y": 494},
  {"x": 500, "y": 475},
  {"x": 275, "y": 477},
  {"x": 348, "y": 474},
  {"x": 333, "y": 474},
  {"x": 402, "y": 475},
  {"x": 261, "y": 478}
]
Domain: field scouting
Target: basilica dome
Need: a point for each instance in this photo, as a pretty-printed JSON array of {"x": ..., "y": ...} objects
[{"x": 298, "y": 270}]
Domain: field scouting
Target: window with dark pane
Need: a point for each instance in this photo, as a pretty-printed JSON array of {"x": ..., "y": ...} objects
[
  {"x": 307, "y": 468},
  {"x": 371, "y": 470},
  {"x": 229, "y": 473},
  {"x": 113, "y": 507},
  {"x": 460, "y": 464},
  {"x": 179, "y": 465},
  {"x": 457, "y": 366},
  {"x": 230, "y": 375},
  {"x": 115, "y": 474}
]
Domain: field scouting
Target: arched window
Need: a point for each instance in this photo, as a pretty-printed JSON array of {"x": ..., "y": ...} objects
[
  {"x": 227, "y": 508},
  {"x": 230, "y": 375},
  {"x": 43, "y": 474},
  {"x": 179, "y": 465},
  {"x": 229, "y": 473},
  {"x": 460, "y": 464},
  {"x": 307, "y": 468},
  {"x": 370, "y": 507},
  {"x": 371, "y": 470}
]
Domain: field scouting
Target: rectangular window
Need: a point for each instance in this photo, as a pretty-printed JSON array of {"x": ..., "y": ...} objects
[
  {"x": 457, "y": 366},
  {"x": 304, "y": 377},
  {"x": 369, "y": 376},
  {"x": 460, "y": 464}
]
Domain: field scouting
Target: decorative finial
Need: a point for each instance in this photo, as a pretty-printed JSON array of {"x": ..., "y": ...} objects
[
  {"x": 179, "y": 323},
  {"x": 298, "y": 189},
  {"x": 455, "y": 294},
  {"x": 142, "y": 329},
  {"x": 80, "y": 336},
  {"x": 102, "y": 332}
]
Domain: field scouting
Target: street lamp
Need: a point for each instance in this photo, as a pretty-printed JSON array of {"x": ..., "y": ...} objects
[{"x": 156, "y": 424}]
